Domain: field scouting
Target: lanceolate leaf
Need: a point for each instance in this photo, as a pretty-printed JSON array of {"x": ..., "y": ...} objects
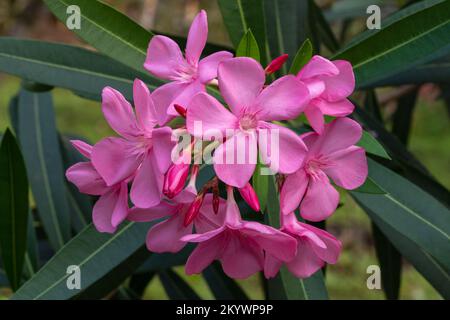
[
  {"x": 39, "y": 142},
  {"x": 108, "y": 30},
  {"x": 410, "y": 41},
  {"x": 14, "y": 208},
  {"x": 221, "y": 285},
  {"x": 370, "y": 186},
  {"x": 96, "y": 254},
  {"x": 285, "y": 285},
  {"x": 410, "y": 211},
  {"x": 261, "y": 185},
  {"x": 176, "y": 288},
  {"x": 248, "y": 47},
  {"x": 371, "y": 145},
  {"x": 69, "y": 67},
  {"x": 241, "y": 15},
  {"x": 302, "y": 57}
]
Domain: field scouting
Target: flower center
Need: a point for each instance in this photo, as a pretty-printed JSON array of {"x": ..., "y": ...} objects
[
  {"x": 314, "y": 168},
  {"x": 248, "y": 122},
  {"x": 186, "y": 72}
]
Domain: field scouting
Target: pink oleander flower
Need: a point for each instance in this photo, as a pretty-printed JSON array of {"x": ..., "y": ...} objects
[
  {"x": 112, "y": 206},
  {"x": 165, "y": 236},
  {"x": 188, "y": 75},
  {"x": 315, "y": 247},
  {"x": 239, "y": 245},
  {"x": 142, "y": 151},
  {"x": 330, "y": 154},
  {"x": 329, "y": 83},
  {"x": 241, "y": 83}
]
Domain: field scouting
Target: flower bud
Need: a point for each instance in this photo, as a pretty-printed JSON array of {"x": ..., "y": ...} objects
[
  {"x": 193, "y": 209},
  {"x": 175, "y": 179},
  {"x": 276, "y": 64},
  {"x": 249, "y": 195},
  {"x": 181, "y": 110}
]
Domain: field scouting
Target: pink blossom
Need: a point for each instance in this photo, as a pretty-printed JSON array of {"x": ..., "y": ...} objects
[
  {"x": 241, "y": 83},
  {"x": 239, "y": 245},
  {"x": 112, "y": 206},
  {"x": 142, "y": 151},
  {"x": 331, "y": 154},
  {"x": 329, "y": 83},
  {"x": 188, "y": 75},
  {"x": 315, "y": 247}
]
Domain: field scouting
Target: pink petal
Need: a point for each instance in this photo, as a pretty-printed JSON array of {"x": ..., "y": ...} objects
[
  {"x": 318, "y": 66},
  {"x": 163, "y": 97},
  {"x": 145, "y": 110},
  {"x": 331, "y": 252},
  {"x": 209, "y": 115},
  {"x": 119, "y": 113},
  {"x": 241, "y": 146},
  {"x": 86, "y": 178},
  {"x": 159, "y": 211},
  {"x": 207, "y": 220},
  {"x": 349, "y": 167},
  {"x": 339, "y": 108},
  {"x": 111, "y": 205},
  {"x": 306, "y": 263},
  {"x": 146, "y": 190},
  {"x": 165, "y": 236},
  {"x": 240, "y": 81},
  {"x": 293, "y": 190},
  {"x": 163, "y": 144},
  {"x": 241, "y": 259},
  {"x": 285, "y": 155},
  {"x": 284, "y": 99},
  {"x": 320, "y": 201},
  {"x": 315, "y": 118},
  {"x": 271, "y": 266},
  {"x": 114, "y": 160},
  {"x": 207, "y": 67},
  {"x": 185, "y": 96},
  {"x": 203, "y": 255},
  {"x": 196, "y": 40},
  {"x": 163, "y": 57},
  {"x": 82, "y": 147},
  {"x": 340, "y": 86},
  {"x": 338, "y": 134}
]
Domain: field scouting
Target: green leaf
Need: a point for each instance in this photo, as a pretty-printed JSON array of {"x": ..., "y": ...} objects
[
  {"x": 248, "y": 47},
  {"x": 371, "y": 145},
  {"x": 261, "y": 185},
  {"x": 14, "y": 208},
  {"x": 438, "y": 277},
  {"x": 285, "y": 285},
  {"x": 390, "y": 263},
  {"x": 32, "y": 254},
  {"x": 324, "y": 30},
  {"x": 402, "y": 120},
  {"x": 410, "y": 211},
  {"x": 370, "y": 186},
  {"x": 304, "y": 54},
  {"x": 39, "y": 142},
  {"x": 69, "y": 67},
  {"x": 161, "y": 261},
  {"x": 95, "y": 253},
  {"x": 176, "y": 288},
  {"x": 416, "y": 38},
  {"x": 223, "y": 287},
  {"x": 107, "y": 30},
  {"x": 242, "y": 15}
]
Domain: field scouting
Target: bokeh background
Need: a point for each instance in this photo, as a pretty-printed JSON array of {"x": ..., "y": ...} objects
[{"x": 429, "y": 139}]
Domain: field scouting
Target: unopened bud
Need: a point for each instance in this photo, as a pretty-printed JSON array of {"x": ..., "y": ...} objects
[
  {"x": 193, "y": 209},
  {"x": 175, "y": 179},
  {"x": 181, "y": 110},
  {"x": 276, "y": 64},
  {"x": 249, "y": 195}
]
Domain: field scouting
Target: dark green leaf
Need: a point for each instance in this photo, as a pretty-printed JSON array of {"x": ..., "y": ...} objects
[
  {"x": 95, "y": 253},
  {"x": 32, "y": 254},
  {"x": 39, "y": 142},
  {"x": 162, "y": 261},
  {"x": 410, "y": 211},
  {"x": 14, "y": 208},
  {"x": 371, "y": 145},
  {"x": 403, "y": 116},
  {"x": 302, "y": 57},
  {"x": 176, "y": 288},
  {"x": 325, "y": 32},
  {"x": 223, "y": 287},
  {"x": 370, "y": 186},
  {"x": 261, "y": 185},
  {"x": 107, "y": 30},
  {"x": 248, "y": 47},
  {"x": 73, "y": 68},
  {"x": 411, "y": 40}
]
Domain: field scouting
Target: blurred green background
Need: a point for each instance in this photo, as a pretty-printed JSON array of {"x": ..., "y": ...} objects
[{"x": 429, "y": 140}]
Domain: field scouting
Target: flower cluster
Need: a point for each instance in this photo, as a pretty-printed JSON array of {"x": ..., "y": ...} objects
[{"x": 242, "y": 126}]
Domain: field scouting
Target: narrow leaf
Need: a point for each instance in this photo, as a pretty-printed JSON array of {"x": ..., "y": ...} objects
[
  {"x": 371, "y": 145},
  {"x": 176, "y": 288},
  {"x": 248, "y": 47},
  {"x": 222, "y": 286},
  {"x": 304, "y": 54}
]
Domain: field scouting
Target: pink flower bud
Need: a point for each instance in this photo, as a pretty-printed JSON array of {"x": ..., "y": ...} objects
[
  {"x": 249, "y": 195},
  {"x": 193, "y": 209},
  {"x": 175, "y": 179},
  {"x": 276, "y": 64}
]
